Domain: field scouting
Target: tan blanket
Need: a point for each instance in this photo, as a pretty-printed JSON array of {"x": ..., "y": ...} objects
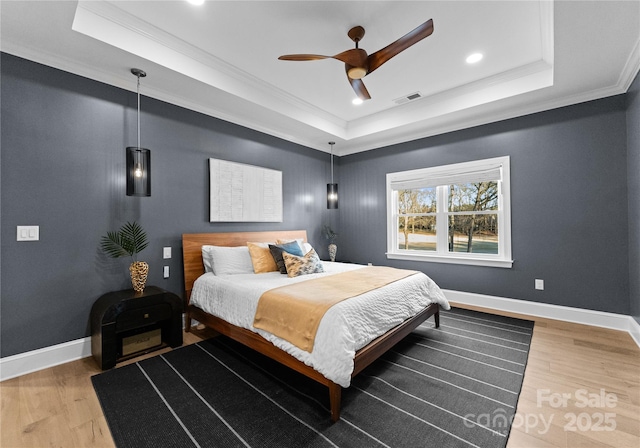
[{"x": 294, "y": 312}]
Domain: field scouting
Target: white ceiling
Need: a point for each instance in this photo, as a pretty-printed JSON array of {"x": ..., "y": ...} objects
[{"x": 221, "y": 59}]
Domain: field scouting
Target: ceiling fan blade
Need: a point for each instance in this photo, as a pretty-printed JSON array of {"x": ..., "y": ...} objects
[
  {"x": 358, "y": 86},
  {"x": 381, "y": 56},
  {"x": 303, "y": 57},
  {"x": 355, "y": 57}
]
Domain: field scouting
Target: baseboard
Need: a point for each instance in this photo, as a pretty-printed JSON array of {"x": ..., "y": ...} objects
[
  {"x": 634, "y": 330},
  {"x": 28, "y": 362},
  {"x": 23, "y": 363},
  {"x": 602, "y": 319}
]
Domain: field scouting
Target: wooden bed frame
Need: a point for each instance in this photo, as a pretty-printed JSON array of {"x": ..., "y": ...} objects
[{"x": 193, "y": 268}]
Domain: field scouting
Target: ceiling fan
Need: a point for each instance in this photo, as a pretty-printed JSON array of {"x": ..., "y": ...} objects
[{"x": 356, "y": 61}]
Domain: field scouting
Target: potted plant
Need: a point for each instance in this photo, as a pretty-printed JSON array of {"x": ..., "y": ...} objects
[
  {"x": 129, "y": 241},
  {"x": 331, "y": 236}
]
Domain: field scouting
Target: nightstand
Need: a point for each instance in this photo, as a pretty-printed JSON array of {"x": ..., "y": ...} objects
[{"x": 125, "y": 324}]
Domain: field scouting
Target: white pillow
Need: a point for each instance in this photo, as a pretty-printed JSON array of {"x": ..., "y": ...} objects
[
  {"x": 227, "y": 260},
  {"x": 207, "y": 258},
  {"x": 306, "y": 247}
]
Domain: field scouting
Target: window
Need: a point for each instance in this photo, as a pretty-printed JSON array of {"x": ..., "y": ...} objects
[{"x": 451, "y": 214}]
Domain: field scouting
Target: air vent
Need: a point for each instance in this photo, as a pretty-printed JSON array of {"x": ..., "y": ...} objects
[{"x": 407, "y": 98}]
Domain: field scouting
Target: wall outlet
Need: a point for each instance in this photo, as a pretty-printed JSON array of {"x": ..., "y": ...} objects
[
  {"x": 539, "y": 284},
  {"x": 166, "y": 272}
]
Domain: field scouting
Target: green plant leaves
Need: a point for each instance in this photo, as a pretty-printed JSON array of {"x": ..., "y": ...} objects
[
  {"x": 329, "y": 233},
  {"x": 128, "y": 241}
]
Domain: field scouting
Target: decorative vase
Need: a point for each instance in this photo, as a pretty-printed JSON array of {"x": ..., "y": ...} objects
[
  {"x": 332, "y": 251},
  {"x": 139, "y": 271}
]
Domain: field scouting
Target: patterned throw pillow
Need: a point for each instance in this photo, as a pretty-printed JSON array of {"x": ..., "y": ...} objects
[{"x": 309, "y": 264}]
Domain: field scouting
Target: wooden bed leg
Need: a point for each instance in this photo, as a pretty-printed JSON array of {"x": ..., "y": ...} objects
[
  {"x": 187, "y": 322},
  {"x": 436, "y": 317},
  {"x": 335, "y": 396}
]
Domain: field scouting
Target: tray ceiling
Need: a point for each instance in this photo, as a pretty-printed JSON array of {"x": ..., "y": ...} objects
[{"x": 221, "y": 59}]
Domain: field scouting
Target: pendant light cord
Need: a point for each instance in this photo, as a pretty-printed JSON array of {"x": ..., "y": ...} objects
[
  {"x": 332, "y": 143},
  {"x": 138, "y": 112},
  {"x": 331, "y": 164},
  {"x": 139, "y": 74}
]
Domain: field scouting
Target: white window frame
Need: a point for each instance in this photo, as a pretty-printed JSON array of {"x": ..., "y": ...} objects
[{"x": 442, "y": 255}]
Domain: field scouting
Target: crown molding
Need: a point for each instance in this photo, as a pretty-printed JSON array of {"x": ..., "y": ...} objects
[{"x": 107, "y": 23}]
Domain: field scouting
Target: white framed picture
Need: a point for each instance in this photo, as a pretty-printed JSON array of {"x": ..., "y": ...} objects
[{"x": 244, "y": 193}]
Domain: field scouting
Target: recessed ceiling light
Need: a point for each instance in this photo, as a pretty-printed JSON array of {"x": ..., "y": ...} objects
[
  {"x": 473, "y": 58},
  {"x": 196, "y": 2},
  {"x": 357, "y": 101}
]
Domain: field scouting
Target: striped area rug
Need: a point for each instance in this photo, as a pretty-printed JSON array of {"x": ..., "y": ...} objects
[{"x": 456, "y": 386}]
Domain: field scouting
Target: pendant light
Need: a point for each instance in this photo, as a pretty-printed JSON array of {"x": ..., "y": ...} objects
[
  {"x": 138, "y": 158},
  {"x": 332, "y": 188}
]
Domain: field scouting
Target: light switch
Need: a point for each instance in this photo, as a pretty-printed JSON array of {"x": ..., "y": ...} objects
[
  {"x": 166, "y": 272},
  {"x": 28, "y": 233},
  {"x": 166, "y": 252}
]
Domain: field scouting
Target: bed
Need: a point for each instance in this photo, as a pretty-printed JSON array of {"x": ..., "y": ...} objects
[{"x": 210, "y": 311}]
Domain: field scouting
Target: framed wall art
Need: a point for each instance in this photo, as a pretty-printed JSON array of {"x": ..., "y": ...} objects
[{"x": 244, "y": 193}]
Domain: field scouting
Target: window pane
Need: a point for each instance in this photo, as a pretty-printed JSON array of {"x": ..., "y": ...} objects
[
  {"x": 417, "y": 233},
  {"x": 421, "y": 200},
  {"x": 473, "y": 233},
  {"x": 450, "y": 213},
  {"x": 473, "y": 197}
]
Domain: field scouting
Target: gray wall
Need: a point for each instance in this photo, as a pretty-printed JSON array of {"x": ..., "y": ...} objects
[
  {"x": 633, "y": 170},
  {"x": 62, "y": 168},
  {"x": 63, "y": 150},
  {"x": 568, "y": 205}
]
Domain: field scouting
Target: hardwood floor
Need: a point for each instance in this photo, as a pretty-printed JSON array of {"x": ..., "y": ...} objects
[{"x": 581, "y": 389}]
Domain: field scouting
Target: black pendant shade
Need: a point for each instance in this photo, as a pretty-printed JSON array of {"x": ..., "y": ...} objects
[
  {"x": 332, "y": 195},
  {"x": 138, "y": 171},
  {"x": 138, "y": 158}
]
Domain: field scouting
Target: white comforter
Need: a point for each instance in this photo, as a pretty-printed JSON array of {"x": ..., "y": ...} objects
[{"x": 345, "y": 328}]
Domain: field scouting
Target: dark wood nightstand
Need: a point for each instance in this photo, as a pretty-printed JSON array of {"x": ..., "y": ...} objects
[{"x": 125, "y": 324}]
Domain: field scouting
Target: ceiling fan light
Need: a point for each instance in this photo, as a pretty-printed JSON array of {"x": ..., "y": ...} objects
[{"x": 357, "y": 72}]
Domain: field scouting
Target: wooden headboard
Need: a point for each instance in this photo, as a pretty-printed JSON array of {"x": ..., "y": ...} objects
[{"x": 192, "y": 248}]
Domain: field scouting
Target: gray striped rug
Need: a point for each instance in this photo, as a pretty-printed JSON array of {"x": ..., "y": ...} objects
[{"x": 456, "y": 386}]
